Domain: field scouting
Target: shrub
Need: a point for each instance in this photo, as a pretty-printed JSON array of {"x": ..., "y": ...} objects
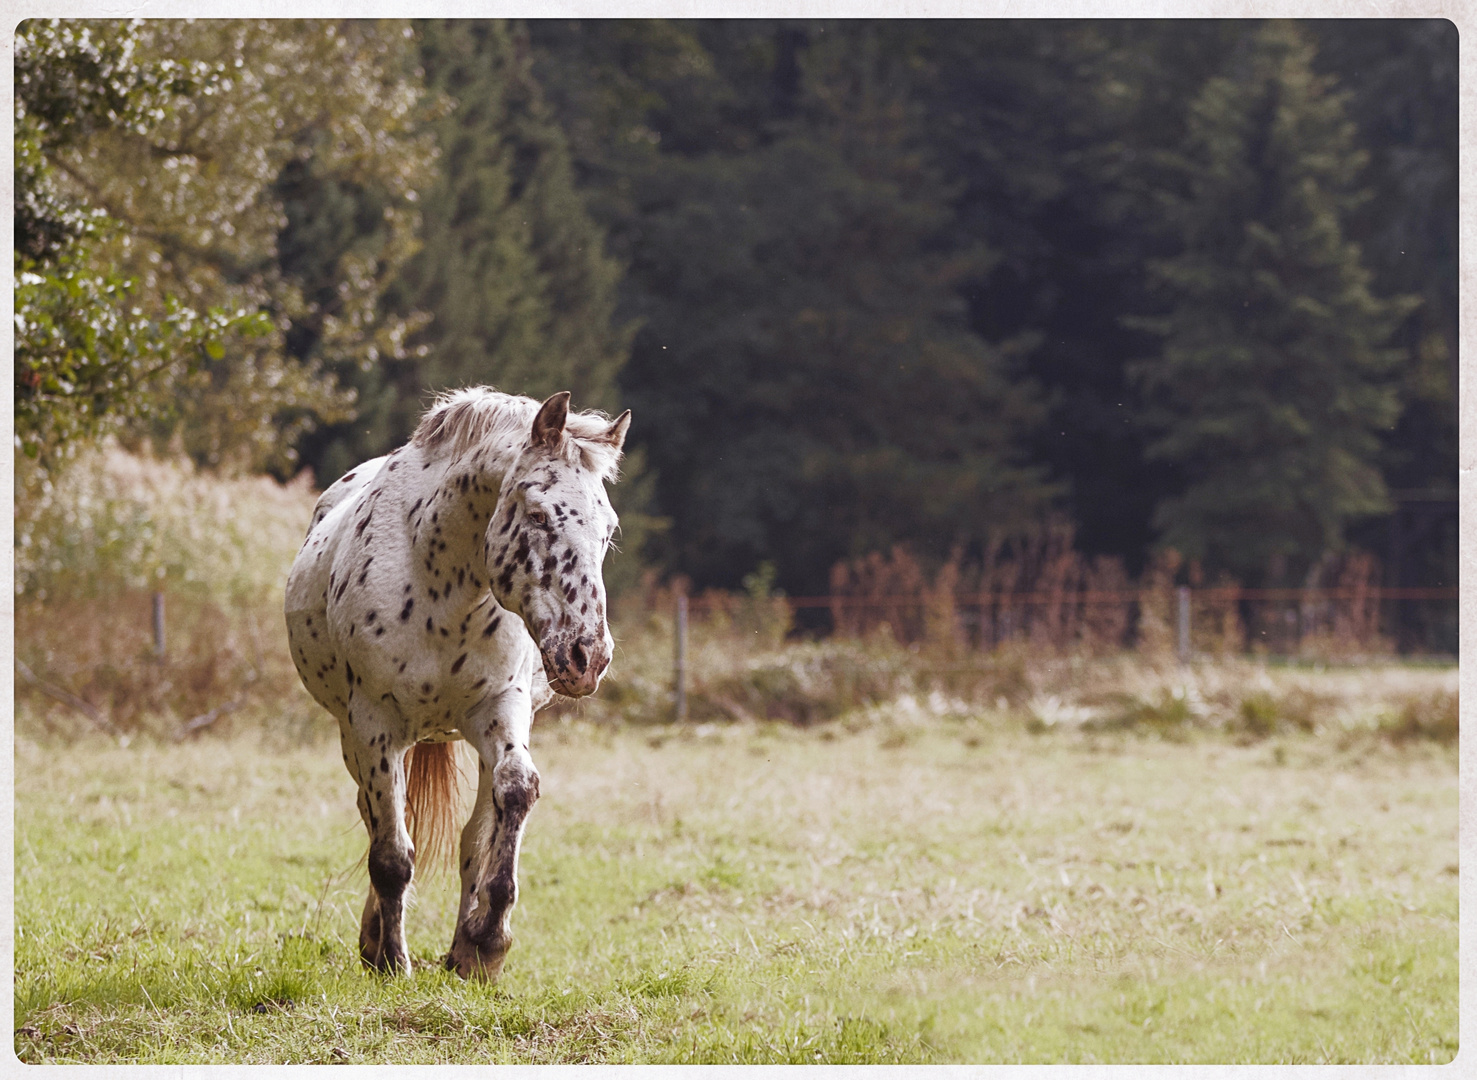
[
  {"x": 96, "y": 540},
  {"x": 1435, "y": 715}
]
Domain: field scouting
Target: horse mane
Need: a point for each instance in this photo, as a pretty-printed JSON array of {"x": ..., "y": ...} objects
[{"x": 458, "y": 420}]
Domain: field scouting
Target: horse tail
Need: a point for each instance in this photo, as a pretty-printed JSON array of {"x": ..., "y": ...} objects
[{"x": 432, "y": 794}]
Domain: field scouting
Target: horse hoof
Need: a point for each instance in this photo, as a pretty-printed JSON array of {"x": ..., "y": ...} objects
[
  {"x": 483, "y": 964},
  {"x": 385, "y": 963}
]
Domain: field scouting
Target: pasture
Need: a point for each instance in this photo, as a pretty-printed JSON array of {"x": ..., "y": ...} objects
[{"x": 969, "y": 887}]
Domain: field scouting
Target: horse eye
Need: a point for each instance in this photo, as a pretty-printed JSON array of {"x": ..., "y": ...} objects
[{"x": 538, "y": 517}]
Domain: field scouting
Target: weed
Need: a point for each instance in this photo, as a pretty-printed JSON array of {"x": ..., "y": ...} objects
[
  {"x": 1262, "y": 712},
  {"x": 1259, "y": 714},
  {"x": 1434, "y": 715},
  {"x": 1169, "y": 711}
]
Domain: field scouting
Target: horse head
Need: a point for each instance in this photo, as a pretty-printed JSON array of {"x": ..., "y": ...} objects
[{"x": 548, "y": 537}]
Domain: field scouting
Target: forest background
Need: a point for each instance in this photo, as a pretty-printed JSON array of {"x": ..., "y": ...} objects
[
  {"x": 946, "y": 285},
  {"x": 1071, "y": 361}
]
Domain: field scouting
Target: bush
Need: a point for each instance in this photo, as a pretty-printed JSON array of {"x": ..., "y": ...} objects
[
  {"x": 94, "y": 542},
  {"x": 113, "y": 522},
  {"x": 1435, "y": 716}
]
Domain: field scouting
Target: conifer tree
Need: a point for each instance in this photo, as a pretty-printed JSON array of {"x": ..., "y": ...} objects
[
  {"x": 1272, "y": 385},
  {"x": 805, "y": 357},
  {"x": 511, "y": 274},
  {"x": 513, "y": 270},
  {"x": 511, "y": 286}
]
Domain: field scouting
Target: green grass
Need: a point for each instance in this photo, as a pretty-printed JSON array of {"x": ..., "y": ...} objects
[{"x": 950, "y": 891}]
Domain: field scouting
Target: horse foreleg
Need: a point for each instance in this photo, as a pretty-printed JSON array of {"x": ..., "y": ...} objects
[{"x": 507, "y": 787}]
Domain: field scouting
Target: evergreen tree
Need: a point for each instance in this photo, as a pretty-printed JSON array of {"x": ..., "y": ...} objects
[
  {"x": 1402, "y": 76},
  {"x": 513, "y": 270},
  {"x": 510, "y": 287},
  {"x": 1273, "y": 384},
  {"x": 511, "y": 274},
  {"x": 1046, "y": 128},
  {"x": 810, "y": 386}
]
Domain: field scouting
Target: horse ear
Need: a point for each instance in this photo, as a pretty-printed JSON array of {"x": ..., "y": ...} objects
[
  {"x": 616, "y": 433},
  {"x": 548, "y": 425}
]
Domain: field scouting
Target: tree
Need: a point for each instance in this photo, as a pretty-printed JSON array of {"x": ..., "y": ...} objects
[
  {"x": 1272, "y": 387},
  {"x": 808, "y": 383},
  {"x": 511, "y": 285},
  {"x": 1047, "y": 131},
  {"x": 195, "y": 193},
  {"x": 87, "y": 357},
  {"x": 511, "y": 273}
]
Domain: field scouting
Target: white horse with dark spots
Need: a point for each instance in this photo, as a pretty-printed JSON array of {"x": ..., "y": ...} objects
[{"x": 447, "y": 591}]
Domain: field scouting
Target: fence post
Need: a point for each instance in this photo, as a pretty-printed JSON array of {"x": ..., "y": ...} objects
[
  {"x": 680, "y": 666},
  {"x": 1184, "y": 623},
  {"x": 159, "y": 625}
]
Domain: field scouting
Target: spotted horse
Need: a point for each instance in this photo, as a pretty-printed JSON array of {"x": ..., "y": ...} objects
[{"x": 448, "y": 591}]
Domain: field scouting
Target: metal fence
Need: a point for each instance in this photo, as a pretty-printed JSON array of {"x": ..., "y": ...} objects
[{"x": 1186, "y": 620}]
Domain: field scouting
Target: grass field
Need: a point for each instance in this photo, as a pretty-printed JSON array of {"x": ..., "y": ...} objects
[{"x": 950, "y": 890}]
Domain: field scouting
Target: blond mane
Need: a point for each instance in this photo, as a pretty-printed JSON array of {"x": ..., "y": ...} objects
[{"x": 459, "y": 420}]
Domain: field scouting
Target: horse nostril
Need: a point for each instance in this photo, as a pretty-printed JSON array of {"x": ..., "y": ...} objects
[{"x": 579, "y": 656}]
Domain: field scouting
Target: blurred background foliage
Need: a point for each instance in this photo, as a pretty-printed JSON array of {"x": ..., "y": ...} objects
[{"x": 935, "y": 284}]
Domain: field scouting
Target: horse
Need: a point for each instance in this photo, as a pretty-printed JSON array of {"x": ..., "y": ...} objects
[{"x": 447, "y": 591}]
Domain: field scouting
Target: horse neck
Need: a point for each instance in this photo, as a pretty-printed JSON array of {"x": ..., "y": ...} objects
[{"x": 455, "y": 511}]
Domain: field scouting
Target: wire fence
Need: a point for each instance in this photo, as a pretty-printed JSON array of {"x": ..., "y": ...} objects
[{"x": 1330, "y": 621}]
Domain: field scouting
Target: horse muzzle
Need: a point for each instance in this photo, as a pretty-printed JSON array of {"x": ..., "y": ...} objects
[{"x": 574, "y": 667}]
